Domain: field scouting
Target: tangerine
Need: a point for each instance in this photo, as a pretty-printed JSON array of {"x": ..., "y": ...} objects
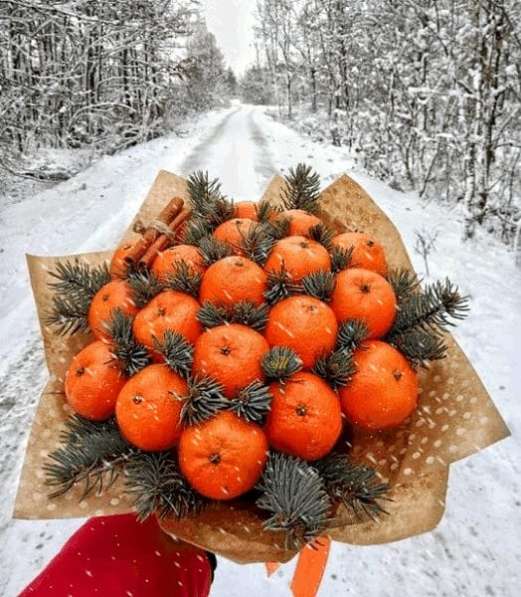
[
  {"x": 166, "y": 261},
  {"x": 118, "y": 265},
  {"x": 148, "y": 408},
  {"x": 300, "y": 221},
  {"x": 169, "y": 310},
  {"x": 384, "y": 390},
  {"x": 233, "y": 232},
  {"x": 231, "y": 354},
  {"x": 362, "y": 294},
  {"x": 299, "y": 256},
  {"x": 93, "y": 381},
  {"x": 116, "y": 294},
  {"x": 223, "y": 457},
  {"x": 367, "y": 252},
  {"x": 305, "y": 324},
  {"x": 233, "y": 279},
  {"x": 246, "y": 209},
  {"x": 305, "y": 419}
]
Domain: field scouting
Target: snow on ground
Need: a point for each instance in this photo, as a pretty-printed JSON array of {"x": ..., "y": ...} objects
[{"x": 475, "y": 551}]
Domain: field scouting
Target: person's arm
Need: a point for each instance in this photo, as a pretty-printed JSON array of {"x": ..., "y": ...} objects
[{"x": 117, "y": 555}]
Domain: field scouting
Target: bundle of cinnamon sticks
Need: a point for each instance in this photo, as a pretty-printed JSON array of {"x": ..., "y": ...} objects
[{"x": 158, "y": 236}]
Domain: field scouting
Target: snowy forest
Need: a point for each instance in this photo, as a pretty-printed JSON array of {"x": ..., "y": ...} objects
[
  {"x": 426, "y": 94},
  {"x": 106, "y": 74}
]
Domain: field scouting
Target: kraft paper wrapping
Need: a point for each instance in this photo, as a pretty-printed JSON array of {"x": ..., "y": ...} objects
[{"x": 456, "y": 417}]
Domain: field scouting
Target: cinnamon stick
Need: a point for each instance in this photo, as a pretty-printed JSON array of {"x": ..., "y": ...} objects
[
  {"x": 167, "y": 215},
  {"x": 163, "y": 241}
]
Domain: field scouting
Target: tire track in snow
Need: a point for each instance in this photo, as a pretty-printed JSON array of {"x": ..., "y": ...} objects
[
  {"x": 265, "y": 166},
  {"x": 194, "y": 160},
  {"x": 237, "y": 152}
]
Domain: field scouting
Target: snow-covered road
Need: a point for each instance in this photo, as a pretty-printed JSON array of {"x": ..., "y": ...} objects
[{"x": 475, "y": 551}]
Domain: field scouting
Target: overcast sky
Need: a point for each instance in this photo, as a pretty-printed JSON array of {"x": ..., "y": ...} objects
[{"x": 231, "y": 21}]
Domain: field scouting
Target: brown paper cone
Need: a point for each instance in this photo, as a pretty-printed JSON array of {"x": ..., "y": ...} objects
[{"x": 456, "y": 417}]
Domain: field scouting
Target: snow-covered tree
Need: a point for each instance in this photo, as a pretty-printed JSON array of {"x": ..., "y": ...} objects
[
  {"x": 256, "y": 86},
  {"x": 426, "y": 93},
  {"x": 103, "y": 73}
]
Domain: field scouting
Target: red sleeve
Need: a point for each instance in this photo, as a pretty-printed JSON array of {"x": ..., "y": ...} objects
[{"x": 119, "y": 556}]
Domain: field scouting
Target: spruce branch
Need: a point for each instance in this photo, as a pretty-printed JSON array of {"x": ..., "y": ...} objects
[
  {"x": 77, "y": 283},
  {"x": 185, "y": 279},
  {"x": 252, "y": 403},
  {"x": 196, "y": 229},
  {"x": 280, "y": 363},
  {"x": 244, "y": 312},
  {"x": 92, "y": 453},
  {"x": 404, "y": 283},
  {"x": 218, "y": 212},
  {"x": 356, "y": 486},
  {"x": 302, "y": 189},
  {"x": 422, "y": 315},
  {"x": 202, "y": 192},
  {"x": 278, "y": 228},
  {"x": 280, "y": 286},
  {"x": 156, "y": 485},
  {"x": 420, "y": 347},
  {"x": 79, "y": 277},
  {"x": 69, "y": 315},
  {"x": 319, "y": 285},
  {"x": 212, "y": 249},
  {"x": 254, "y": 316},
  {"x": 323, "y": 234},
  {"x": 177, "y": 352},
  {"x": 131, "y": 355},
  {"x": 257, "y": 243},
  {"x": 295, "y": 496},
  {"x": 203, "y": 400},
  {"x": 265, "y": 211},
  {"x": 145, "y": 285},
  {"x": 337, "y": 368},
  {"x": 351, "y": 333},
  {"x": 431, "y": 309},
  {"x": 211, "y": 315},
  {"x": 207, "y": 200},
  {"x": 340, "y": 258}
]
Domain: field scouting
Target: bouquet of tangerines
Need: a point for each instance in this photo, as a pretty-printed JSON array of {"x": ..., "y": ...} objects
[{"x": 236, "y": 350}]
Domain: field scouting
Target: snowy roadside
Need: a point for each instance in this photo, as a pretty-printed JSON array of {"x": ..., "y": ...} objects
[{"x": 476, "y": 550}]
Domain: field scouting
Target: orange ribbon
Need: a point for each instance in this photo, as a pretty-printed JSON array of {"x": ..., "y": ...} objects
[
  {"x": 310, "y": 568},
  {"x": 272, "y": 567}
]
